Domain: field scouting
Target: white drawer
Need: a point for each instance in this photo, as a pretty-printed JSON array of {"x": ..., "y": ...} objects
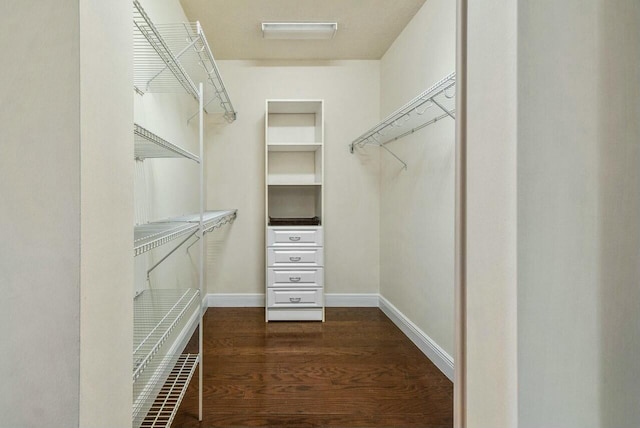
[
  {"x": 299, "y": 277},
  {"x": 290, "y": 257},
  {"x": 308, "y": 237},
  {"x": 287, "y": 298}
]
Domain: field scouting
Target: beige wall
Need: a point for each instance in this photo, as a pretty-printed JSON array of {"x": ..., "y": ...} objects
[
  {"x": 40, "y": 213},
  {"x": 579, "y": 214},
  {"x": 235, "y": 172},
  {"x": 66, "y": 213},
  {"x": 416, "y": 206},
  {"x": 491, "y": 390},
  {"x": 106, "y": 211},
  {"x": 552, "y": 317}
]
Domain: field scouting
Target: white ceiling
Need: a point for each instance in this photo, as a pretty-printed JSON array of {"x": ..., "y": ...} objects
[{"x": 366, "y": 28}]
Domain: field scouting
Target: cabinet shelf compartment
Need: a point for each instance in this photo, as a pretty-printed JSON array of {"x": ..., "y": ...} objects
[
  {"x": 294, "y": 221},
  {"x": 162, "y": 322},
  {"x": 294, "y": 122},
  {"x": 286, "y": 201},
  {"x": 164, "y": 408},
  {"x": 294, "y": 147},
  {"x": 294, "y": 168},
  {"x": 171, "y": 57},
  {"x": 148, "y": 145}
]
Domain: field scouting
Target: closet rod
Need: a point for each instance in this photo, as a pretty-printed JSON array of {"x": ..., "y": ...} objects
[{"x": 415, "y": 113}]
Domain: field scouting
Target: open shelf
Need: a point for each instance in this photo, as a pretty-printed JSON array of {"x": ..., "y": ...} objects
[
  {"x": 292, "y": 182},
  {"x": 149, "y": 145},
  {"x": 294, "y": 168},
  {"x": 152, "y": 235},
  {"x": 163, "y": 410},
  {"x": 171, "y": 57},
  {"x": 297, "y": 123},
  {"x": 430, "y": 106},
  {"x": 294, "y": 201},
  {"x": 294, "y": 147},
  {"x": 161, "y": 325}
]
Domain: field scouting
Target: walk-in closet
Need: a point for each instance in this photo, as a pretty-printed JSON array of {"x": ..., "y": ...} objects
[
  {"x": 305, "y": 213},
  {"x": 265, "y": 192}
]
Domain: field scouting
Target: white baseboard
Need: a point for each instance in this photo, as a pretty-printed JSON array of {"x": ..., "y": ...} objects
[
  {"x": 428, "y": 346},
  {"x": 343, "y": 300},
  {"x": 235, "y": 300},
  {"x": 245, "y": 300}
]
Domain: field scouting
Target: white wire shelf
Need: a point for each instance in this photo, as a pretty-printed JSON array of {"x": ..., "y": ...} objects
[
  {"x": 149, "y": 145},
  {"x": 211, "y": 219},
  {"x": 157, "y": 313},
  {"x": 171, "y": 57},
  {"x": 164, "y": 408},
  {"x": 160, "y": 316},
  {"x": 430, "y": 106},
  {"x": 152, "y": 235}
]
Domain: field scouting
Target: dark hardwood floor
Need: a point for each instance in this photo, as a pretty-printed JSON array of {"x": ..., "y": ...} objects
[{"x": 355, "y": 370}]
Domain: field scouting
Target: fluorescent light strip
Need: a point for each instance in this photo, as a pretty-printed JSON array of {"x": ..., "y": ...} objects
[{"x": 299, "y": 30}]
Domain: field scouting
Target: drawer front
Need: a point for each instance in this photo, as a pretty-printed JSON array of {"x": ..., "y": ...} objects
[
  {"x": 288, "y": 298},
  {"x": 277, "y": 237},
  {"x": 309, "y": 257},
  {"x": 300, "y": 277}
]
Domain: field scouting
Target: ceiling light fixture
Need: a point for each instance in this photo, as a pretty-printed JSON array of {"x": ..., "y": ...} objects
[{"x": 299, "y": 30}]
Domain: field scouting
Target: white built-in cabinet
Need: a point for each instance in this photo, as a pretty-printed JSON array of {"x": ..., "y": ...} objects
[{"x": 294, "y": 206}]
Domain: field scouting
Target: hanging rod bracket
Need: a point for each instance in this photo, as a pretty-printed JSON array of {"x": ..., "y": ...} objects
[{"x": 404, "y": 165}]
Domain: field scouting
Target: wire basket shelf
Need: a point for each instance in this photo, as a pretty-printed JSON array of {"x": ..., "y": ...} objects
[
  {"x": 166, "y": 404},
  {"x": 171, "y": 57},
  {"x": 152, "y": 235},
  {"x": 160, "y": 319}
]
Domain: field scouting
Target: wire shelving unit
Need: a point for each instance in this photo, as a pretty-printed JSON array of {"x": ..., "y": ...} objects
[
  {"x": 148, "y": 145},
  {"x": 432, "y": 105},
  {"x": 171, "y": 57},
  {"x": 161, "y": 328}
]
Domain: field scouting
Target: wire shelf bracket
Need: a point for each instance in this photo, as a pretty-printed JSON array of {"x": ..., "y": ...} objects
[
  {"x": 171, "y": 57},
  {"x": 430, "y": 106},
  {"x": 211, "y": 221}
]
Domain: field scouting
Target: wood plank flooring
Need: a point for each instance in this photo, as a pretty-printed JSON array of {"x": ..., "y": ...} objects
[{"x": 355, "y": 370}]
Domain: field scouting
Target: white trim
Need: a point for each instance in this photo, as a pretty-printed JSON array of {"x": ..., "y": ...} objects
[
  {"x": 240, "y": 300},
  {"x": 344, "y": 300},
  {"x": 235, "y": 300},
  {"x": 428, "y": 346}
]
